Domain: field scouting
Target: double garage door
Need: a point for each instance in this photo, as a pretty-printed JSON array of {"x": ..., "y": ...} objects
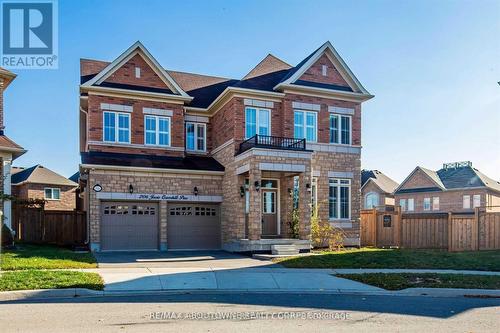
[{"x": 128, "y": 226}]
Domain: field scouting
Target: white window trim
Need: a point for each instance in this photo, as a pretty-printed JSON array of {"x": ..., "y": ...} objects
[
  {"x": 466, "y": 199},
  {"x": 196, "y": 136},
  {"x": 304, "y": 124},
  {"x": 157, "y": 131},
  {"x": 51, "y": 193},
  {"x": 257, "y": 109},
  {"x": 430, "y": 204},
  {"x": 339, "y": 134},
  {"x": 474, "y": 201},
  {"x": 117, "y": 128},
  {"x": 338, "y": 185}
]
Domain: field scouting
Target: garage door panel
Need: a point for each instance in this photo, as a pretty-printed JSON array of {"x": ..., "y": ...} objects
[
  {"x": 129, "y": 226},
  {"x": 193, "y": 226}
]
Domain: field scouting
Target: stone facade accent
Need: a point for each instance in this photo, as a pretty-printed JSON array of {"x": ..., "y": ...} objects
[{"x": 145, "y": 183}]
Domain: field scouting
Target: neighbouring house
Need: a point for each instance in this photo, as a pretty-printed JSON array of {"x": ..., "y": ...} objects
[
  {"x": 176, "y": 160},
  {"x": 38, "y": 182},
  {"x": 377, "y": 190},
  {"x": 456, "y": 187},
  {"x": 9, "y": 151},
  {"x": 78, "y": 192}
]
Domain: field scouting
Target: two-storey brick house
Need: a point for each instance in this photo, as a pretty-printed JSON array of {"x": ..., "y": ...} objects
[
  {"x": 456, "y": 187},
  {"x": 174, "y": 160}
]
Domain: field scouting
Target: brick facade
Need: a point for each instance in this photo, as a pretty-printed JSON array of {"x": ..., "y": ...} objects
[
  {"x": 385, "y": 200},
  {"x": 315, "y": 73},
  {"x": 36, "y": 191}
]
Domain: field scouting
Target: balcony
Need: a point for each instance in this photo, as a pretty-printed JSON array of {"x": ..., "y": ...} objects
[{"x": 272, "y": 142}]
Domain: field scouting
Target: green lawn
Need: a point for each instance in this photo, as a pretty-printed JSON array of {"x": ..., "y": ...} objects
[
  {"x": 39, "y": 279},
  {"x": 27, "y": 256},
  {"x": 398, "y": 281},
  {"x": 397, "y": 258}
]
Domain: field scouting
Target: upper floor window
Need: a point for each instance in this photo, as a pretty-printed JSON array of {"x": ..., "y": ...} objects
[
  {"x": 339, "y": 198},
  {"x": 411, "y": 204},
  {"x": 466, "y": 202},
  {"x": 371, "y": 200},
  {"x": 476, "y": 201},
  {"x": 402, "y": 204},
  {"x": 305, "y": 125},
  {"x": 195, "y": 136},
  {"x": 157, "y": 130},
  {"x": 340, "y": 129},
  {"x": 116, "y": 127},
  {"x": 427, "y": 203},
  {"x": 52, "y": 193},
  {"x": 257, "y": 121},
  {"x": 435, "y": 203}
]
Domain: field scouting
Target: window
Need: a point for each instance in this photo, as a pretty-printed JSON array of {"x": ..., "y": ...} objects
[
  {"x": 340, "y": 129},
  {"x": 476, "y": 201},
  {"x": 427, "y": 203},
  {"x": 402, "y": 204},
  {"x": 305, "y": 125},
  {"x": 269, "y": 204},
  {"x": 466, "y": 202},
  {"x": 257, "y": 121},
  {"x": 195, "y": 136},
  {"x": 137, "y": 72},
  {"x": 411, "y": 205},
  {"x": 339, "y": 201},
  {"x": 52, "y": 193},
  {"x": 157, "y": 130},
  {"x": 435, "y": 203},
  {"x": 116, "y": 123},
  {"x": 324, "y": 70},
  {"x": 371, "y": 200}
]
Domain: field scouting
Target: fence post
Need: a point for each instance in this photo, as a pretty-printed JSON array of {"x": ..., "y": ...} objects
[
  {"x": 450, "y": 232},
  {"x": 475, "y": 230},
  {"x": 398, "y": 229},
  {"x": 375, "y": 226}
]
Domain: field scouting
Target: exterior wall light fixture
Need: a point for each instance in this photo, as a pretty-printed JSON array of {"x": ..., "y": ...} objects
[
  {"x": 130, "y": 189},
  {"x": 195, "y": 190},
  {"x": 257, "y": 185}
]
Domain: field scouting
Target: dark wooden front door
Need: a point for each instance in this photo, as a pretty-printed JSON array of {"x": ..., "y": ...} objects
[{"x": 269, "y": 212}]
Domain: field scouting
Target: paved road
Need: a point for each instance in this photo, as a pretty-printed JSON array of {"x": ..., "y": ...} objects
[{"x": 346, "y": 313}]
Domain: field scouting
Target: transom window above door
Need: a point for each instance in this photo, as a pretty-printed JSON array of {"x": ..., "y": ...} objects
[
  {"x": 305, "y": 125},
  {"x": 257, "y": 121},
  {"x": 157, "y": 131}
]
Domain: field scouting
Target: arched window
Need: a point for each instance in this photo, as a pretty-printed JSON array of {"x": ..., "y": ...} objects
[{"x": 371, "y": 200}]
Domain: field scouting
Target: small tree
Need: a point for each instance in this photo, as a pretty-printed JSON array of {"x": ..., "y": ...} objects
[
  {"x": 323, "y": 234},
  {"x": 293, "y": 223}
]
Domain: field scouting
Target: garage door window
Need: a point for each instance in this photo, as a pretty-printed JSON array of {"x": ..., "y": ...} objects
[
  {"x": 143, "y": 210},
  {"x": 115, "y": 210},
  {"x": 183, "y": 210},
  {"x": 204, "y": 211}
]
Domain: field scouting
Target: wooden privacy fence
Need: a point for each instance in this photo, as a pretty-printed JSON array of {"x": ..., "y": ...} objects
[
  {"x": 36, "y": 225},
  {"x": 454, "y": 232}
]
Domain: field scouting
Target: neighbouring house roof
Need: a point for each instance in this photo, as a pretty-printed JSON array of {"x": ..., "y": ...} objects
[
  {"x": 160, "y": 162},
  {"x": 38, "y": 174},
  {"x": 8, "y": 145},
  {"x": 449, "y": 178},
  {"x": 75, "y": 177},
  {"x": 7, "y": 75},
  {"x": 385, "y": 183},
  {"x": 267, "y": 75}
]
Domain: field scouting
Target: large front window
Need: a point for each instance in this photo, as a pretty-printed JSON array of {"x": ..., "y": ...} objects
[
  {"x": 371, "y": 200},
  {"x": 339, "y": 202},
  {"x": 257, "y": 121},
  {"x": 340, "y": 129},
  {"x": 157, "y": 130},
  {"x": 116, "y": 127},
  {"x": 305, "y": 125},
  {"x": 195, "y": 136}
]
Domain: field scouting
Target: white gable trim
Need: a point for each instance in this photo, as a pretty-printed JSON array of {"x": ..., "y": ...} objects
[
  {"x": 344, "y": 70},
  {"x": 137, "y": 48}
]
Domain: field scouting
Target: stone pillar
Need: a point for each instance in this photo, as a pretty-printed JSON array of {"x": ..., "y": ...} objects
[
  {"x": 163, "y": 225},
  {"x": 7, "y": 204},
  {"x": 255, "y": 211},
  {"x": 305, "y": 205}
]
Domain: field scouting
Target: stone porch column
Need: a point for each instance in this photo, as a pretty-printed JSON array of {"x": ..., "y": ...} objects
[
  {"x": 255, "y": 211},
  {"x": 305, "y": 205}
]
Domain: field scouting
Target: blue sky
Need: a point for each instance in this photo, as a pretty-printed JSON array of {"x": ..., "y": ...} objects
[{"x": 433, "y": 67}]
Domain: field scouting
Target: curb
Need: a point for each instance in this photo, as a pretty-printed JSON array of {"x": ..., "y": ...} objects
[{"x": 82, "y": 292}]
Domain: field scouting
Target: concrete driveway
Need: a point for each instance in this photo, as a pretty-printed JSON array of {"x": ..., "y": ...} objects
[
  {"x": 213, "y": 270},
  {"x": 177, "y": 259}
]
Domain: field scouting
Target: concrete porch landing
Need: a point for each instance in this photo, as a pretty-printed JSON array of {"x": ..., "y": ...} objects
[{"x": 264, "y": 245}]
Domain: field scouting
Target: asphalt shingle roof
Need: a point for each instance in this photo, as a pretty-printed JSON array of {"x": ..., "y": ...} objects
[
  {"x": 385, "y": 183},
  {"x": 40, "y": 175}
]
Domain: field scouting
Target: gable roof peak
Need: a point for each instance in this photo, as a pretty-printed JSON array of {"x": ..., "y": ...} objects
[{"x": 269, "y": 64}]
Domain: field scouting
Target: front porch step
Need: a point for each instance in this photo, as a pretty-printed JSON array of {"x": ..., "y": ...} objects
[{"x": 284, "y": 249}]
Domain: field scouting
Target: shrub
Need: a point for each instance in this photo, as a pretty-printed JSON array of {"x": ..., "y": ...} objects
[
  {"x": 325, "y": 235},
  {"x": 7, "y": 238}
]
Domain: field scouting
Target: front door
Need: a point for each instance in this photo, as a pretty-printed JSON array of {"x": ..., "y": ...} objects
[{"x": 269, "y": 212}]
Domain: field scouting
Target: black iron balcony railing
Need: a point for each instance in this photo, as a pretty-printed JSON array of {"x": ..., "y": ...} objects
[{"x": 272, "y": 142}]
